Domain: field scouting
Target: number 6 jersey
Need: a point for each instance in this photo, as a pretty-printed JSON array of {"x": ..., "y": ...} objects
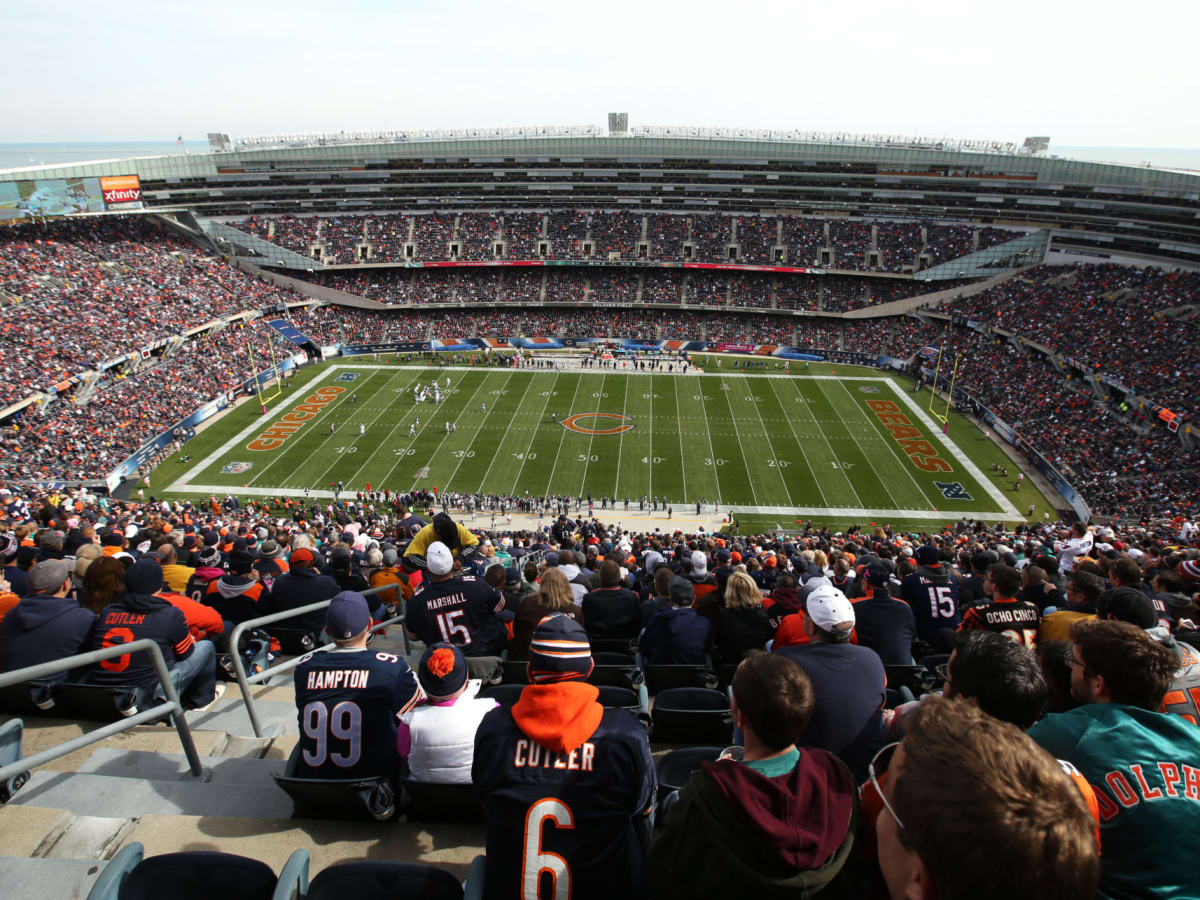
[
  {"x": 561, "y": 808},
  {"x": 348, "y": 701}
]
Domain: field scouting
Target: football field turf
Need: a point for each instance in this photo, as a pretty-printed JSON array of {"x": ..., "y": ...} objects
[{"x": 821, "y": 446}]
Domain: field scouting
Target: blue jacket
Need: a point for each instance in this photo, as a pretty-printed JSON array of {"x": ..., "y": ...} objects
[
  {"x": 298, "y": 587},
  {"x": 680, "y": 637},
  {"x": 41, "y": 628}
]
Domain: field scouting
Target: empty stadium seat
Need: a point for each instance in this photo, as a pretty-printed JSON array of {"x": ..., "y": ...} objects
[
  {"x": 515, "y": 671},
  {"x": 292, "y": 641},
  {"x": 690, "y": 715},
  {"x": 337, "y": 798},
  {"x": 11, "y": 733},
  {"x": 611, "y": 645},
  {"x": 910, "y": 678},
  {"x": 624, "y": 657},
  {"x": 197, "y": 876},
  {"x": 626, "y": 676},
  {"x": 504, "y": 694},
  {"x": 675, "y": 768},
  {"x": 664, "y": 678}
]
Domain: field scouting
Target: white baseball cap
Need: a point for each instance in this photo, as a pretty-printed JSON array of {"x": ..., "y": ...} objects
[
  {"x": 828, "y": 608},
  {"x": 439, "y": 559}
]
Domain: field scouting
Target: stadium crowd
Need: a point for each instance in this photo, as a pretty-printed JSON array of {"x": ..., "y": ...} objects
[
  {"x": 1051, "y": 714},
  {"x": 597, "y": 234}
]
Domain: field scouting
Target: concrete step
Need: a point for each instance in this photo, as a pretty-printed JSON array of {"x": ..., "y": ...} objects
[
  {"x": 229, "y": 714},
  {"x": 37, "y": 879},
  {"x": 41, "y": 734},
  {"x": 174, "y": 767},
  {"x": 103, "y": 795}
]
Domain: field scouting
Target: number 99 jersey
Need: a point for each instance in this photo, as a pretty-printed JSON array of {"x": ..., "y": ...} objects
[{"x": 348, "y": 702}]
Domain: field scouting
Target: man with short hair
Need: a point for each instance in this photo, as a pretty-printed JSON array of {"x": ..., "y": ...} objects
[
  {"x": 302, "y": 585},
  {"x": 884, "y": 624},
  {"x": 1078, "y": 544},
  {"x": 1001, "y": 611},
  {"x": 848, "y": 682},
  {"x": 611, "y": 610},
  {"x": 679, "y": 636},
  {"x": 999, "y": 674},
  {"x": 1143, "y": 765},
  {"x": 780, "y": 821},
  {"x": 175, "y": 575},
  {"x": 348, "y": 699},
  {"x": 959, "y": 772},
  {"x": 566, "y": 785},
  {"x": 46, "y": 624},
  {"x": 456, "y": 610},
  {"x": 1083, "y": 591}
]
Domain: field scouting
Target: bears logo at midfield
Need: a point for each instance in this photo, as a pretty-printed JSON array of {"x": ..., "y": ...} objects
[{"x": 573, "y": 423}]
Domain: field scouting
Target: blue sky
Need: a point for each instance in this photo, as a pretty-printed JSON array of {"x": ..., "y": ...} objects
[{"x": 1100, "y": 73}]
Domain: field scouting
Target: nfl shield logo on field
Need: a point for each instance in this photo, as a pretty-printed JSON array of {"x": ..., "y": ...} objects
[{"x": 236, "y": 468}]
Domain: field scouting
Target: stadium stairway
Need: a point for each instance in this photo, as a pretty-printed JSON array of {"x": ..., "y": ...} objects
[{"x": 77, "y": 811}]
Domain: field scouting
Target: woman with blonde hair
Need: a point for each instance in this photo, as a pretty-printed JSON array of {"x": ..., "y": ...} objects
[
  {"x": 742, "y": 625},
  {"x": 554, "y": 597}
]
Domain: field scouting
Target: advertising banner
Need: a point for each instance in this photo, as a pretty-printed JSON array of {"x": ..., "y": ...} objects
[{"x": 121, "y": 192}]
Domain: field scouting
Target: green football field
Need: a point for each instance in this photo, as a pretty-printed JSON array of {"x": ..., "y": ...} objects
[{"x": 827, "y": 447}]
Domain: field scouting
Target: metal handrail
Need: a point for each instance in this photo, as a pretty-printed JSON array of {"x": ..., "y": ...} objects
[
  {"x": 170, "y": 706},
  {"x": 239, "y": 667}
]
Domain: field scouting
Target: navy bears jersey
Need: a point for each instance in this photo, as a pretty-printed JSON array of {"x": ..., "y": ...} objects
[
  {"x": 459, "y": 611},
  {"x": 562, "y": 825},
  {"x": 124, "y": 623},
  {"x": 933, "y": 596},
  {"x": 348, "y": 702}
]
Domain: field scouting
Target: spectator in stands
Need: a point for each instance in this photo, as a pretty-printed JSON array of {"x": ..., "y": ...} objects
[
  {"x": 1083, "y": 592},
  {"x": 959, "y": 770},
  {"x": 175, "y": 575},
  {"x": 460, "y": 541},
  {"x": 780, "y": 822},
  {"x": 742, "y": 624},
  {"x": 660, "y": 597},
  {"x": 238, "y": 596},
  {"x": 1038, "y": 590},
  {"x": 611, "y": 610},
  {"x": 302, "y": 585},
  {"x": 561, "y": 767},
  {"x": 1141, "y": 763},
  {"x": 1001, "y": 611},
  {"x": 554, "y": 597},
  {"x": 884, "y": 624},
  {"x": 1002, "y": 676},
  {"x": 437, "y": 738},
  {"x": 679, "y": 636},
  {"x": 103, "y": 584},
  {"x": 932, "y": 592},
  {"x": 141, "y": 613},
  {"x": 387, "y": 574},
  {"x": 848, "y": 682},
  {"x": 46, "y": 624},
  {"x": 348, "y": 700},
  {"x": 209, "y": 567}
]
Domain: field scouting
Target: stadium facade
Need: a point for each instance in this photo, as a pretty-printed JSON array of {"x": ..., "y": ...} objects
[{"x": 1097, "y": 209}]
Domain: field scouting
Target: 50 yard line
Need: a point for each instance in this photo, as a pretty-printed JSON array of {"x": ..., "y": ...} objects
[
  {"x": 533, "y": 434},
  {"x": 503, "y": 437},
  {"x": 557, "y": 453}
]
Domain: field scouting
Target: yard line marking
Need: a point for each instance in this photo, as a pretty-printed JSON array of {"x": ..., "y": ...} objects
[
  {"x": 650, "y": 429},
  {"x": 821, "y": 431},
  {"x": 533, "y": 434},
  {"x": 482, "y": 422},
  {"x": 972, "y": 469},
  {"x": 416, "y": 437},
  {"x": 561, "y": 438},
  {"x": 621, "y": 440},
  {"x": 333, "y": 407},
  {"x": 592, "y": 440},
  {"x": 711, "y": 453},
  {"x": 796, "y": 438},
  {"x": 679, "y": 422},
  {"x": 741, "y": 448},
  {"x": 391, "y": 406},
  {"x": 891, "y": 445},
  {"x": 512, "y": 418},
  {"x": 767, "y": 435}
]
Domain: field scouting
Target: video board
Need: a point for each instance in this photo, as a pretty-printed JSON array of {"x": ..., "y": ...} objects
[{"x": 69, "y": 196}]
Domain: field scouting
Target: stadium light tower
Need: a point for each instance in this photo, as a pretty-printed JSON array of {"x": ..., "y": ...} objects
[{"x": 618, "y": 124}]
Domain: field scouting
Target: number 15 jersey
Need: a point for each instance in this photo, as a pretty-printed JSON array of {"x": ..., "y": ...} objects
[
  {"x": 348, "y": 703},
  {"x": 459, "y": 611}
]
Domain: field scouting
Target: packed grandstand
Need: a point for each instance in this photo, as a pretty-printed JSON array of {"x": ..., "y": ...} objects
[{"x": 119, "y": 330}]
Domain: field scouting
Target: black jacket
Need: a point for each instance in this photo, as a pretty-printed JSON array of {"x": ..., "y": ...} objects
[
  {"x": 300, "y": 587},
  {"x": 42, "y": 628}
]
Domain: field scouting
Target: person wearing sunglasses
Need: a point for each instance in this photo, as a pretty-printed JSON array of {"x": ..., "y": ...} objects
[
  {"x": 972, "y": 808},
  {"x": 1143, "y": 764}
]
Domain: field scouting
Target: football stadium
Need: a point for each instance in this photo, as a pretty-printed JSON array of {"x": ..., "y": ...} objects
[{"x": 606, "y": 510}]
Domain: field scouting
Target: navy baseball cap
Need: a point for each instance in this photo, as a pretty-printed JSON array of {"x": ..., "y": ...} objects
[{"x": 347, "y": 616}]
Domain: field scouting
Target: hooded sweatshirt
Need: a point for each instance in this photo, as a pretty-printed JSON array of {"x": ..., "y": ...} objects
[
  {"x": 782, "y": 602},
  {"x": 134, "y": 617},
  {"x": 236, "y": 598},
  {"x": 734, "y": 832},
  {"x": 42, "y": 628}
]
